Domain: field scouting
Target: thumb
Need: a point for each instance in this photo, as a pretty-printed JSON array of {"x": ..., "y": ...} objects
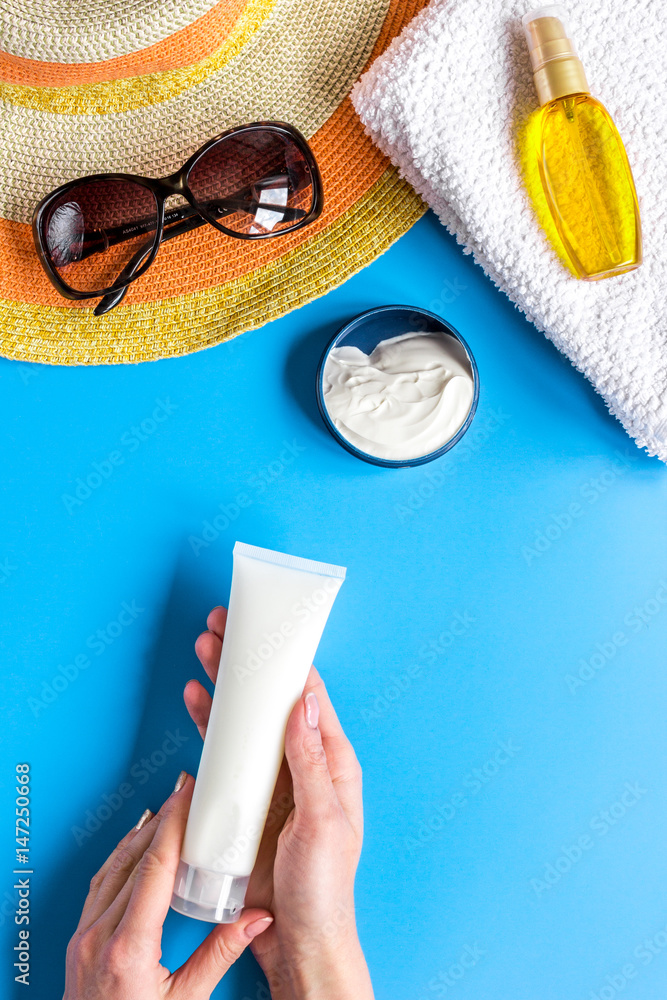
[
  {"x": 313, "y": 789},
  {"x": 201, "y": 973}
]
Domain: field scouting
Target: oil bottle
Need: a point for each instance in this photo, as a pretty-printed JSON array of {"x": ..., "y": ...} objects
[{"x": 583, "y": 167}]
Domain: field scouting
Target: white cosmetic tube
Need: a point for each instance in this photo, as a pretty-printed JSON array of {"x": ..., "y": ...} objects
[{"x": 278, "y": 607}]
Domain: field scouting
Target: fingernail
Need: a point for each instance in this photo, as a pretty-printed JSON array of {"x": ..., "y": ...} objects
[
  {"x": 257, "y": 926},
  {"x": 312, "y": 710},
  {"x": 144, "y": 818},
  {"x": 180, "y": 781}
]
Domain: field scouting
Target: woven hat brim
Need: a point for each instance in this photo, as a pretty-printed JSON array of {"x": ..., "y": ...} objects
[
  {"x": 180, "y": 47},
  {"x": 181, "y": 304}
]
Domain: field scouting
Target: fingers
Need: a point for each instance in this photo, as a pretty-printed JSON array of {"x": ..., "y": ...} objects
[
  {"x": 313, "y": 790},
  {"x": 209, "y": 644},
  {"x": 113, "y": 872},
  {"x": 116, "y": 889},
  {"x": 344, "y": 767},
  {"x": 207, "y": 647},
  {"x": 339, "y": 750},
  {"x": 147, "y": 892},
  {"x": 115, "y": 895},
  {"x": 201, "y": 973},
  {"x": 260, "y": 887},
  {"x": 198, "y": 703},
  {"x": 138, "y": 879},
  {"x": 217, "y": 619}
]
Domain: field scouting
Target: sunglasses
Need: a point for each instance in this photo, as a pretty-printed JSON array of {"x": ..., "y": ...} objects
[{"x": 97, "y": 234}]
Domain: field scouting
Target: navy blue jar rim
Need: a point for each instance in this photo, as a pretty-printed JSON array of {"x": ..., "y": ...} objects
[{"x": 365, "y": 331}]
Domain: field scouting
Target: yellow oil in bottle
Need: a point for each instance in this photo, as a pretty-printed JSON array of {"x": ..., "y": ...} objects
[{"x": 574, "y": 146}]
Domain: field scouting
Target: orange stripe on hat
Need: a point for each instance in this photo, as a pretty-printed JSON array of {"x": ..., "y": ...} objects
[{"x": 184, "y": 47}]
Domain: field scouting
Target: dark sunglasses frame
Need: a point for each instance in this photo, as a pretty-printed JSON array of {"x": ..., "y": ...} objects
[{"x": 179, "y": 220}]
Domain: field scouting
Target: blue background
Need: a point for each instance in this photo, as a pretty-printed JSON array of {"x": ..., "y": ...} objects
[{"x": 453, "y": 857}]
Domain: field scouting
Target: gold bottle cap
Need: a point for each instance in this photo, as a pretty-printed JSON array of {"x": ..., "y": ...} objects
[{"x": 556, "y": 67}]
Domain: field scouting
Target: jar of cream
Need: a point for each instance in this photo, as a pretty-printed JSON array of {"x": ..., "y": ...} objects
[{"x": 397, "y": 386}]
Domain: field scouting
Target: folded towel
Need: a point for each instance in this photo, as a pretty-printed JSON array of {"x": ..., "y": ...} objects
[{"x": 444, "y": 102}]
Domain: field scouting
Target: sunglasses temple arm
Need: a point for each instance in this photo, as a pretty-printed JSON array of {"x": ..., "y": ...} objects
[
  {"x": 112, "y": 299},
  {"x": 218, "y": 207},
  {"x": 120, "y": 234},
  {"x": 190, "y": 221}
]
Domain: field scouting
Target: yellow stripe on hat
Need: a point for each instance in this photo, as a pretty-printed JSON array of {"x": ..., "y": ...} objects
[{"x": 191, "y": 322}]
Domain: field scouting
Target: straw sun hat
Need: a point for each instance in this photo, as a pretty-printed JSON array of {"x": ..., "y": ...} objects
[{"x": 136, "y": 86}]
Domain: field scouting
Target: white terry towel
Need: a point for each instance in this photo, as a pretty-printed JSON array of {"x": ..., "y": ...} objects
[{"x": 444, "y": 101}]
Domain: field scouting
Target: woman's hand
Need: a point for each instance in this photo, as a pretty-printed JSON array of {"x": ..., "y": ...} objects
[
  {"x": 115, "y": 951},
  {"x": 310, "y": 849}
]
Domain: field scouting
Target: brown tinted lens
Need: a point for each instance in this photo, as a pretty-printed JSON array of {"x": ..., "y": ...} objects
[
  {"x": 94, "y": 230},
  {"x": 254, "y": 183}
]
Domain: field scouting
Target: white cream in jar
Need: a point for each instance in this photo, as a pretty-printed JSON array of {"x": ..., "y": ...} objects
[{"x": 405, "y": 399}]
